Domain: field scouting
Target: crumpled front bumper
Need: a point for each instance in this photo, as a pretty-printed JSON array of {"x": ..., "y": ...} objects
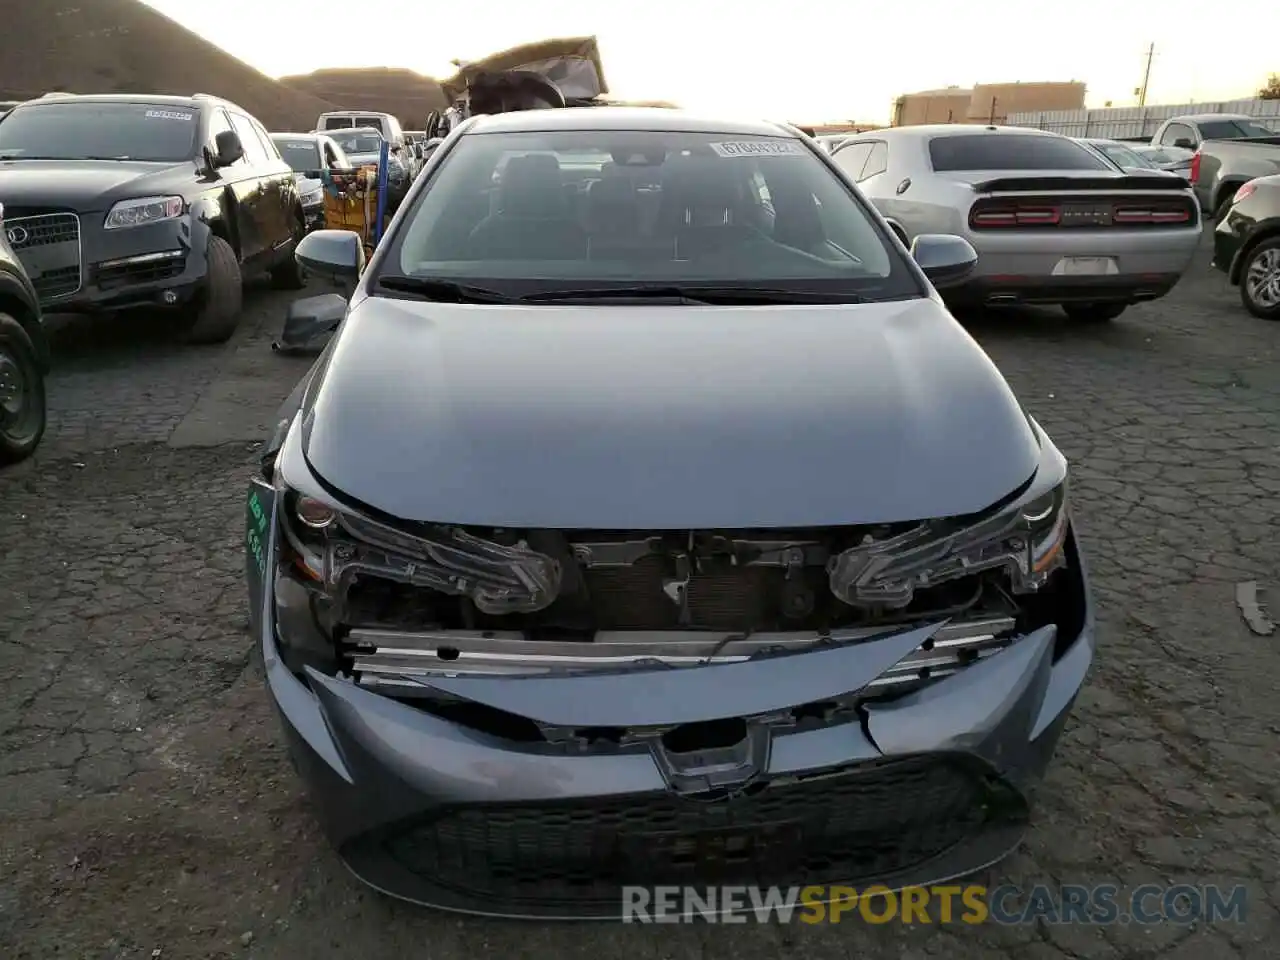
[{"x": 420, "y": 807}]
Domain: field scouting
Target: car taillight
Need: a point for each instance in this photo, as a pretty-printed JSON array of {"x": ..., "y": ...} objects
[
  {"x": 1243, "y": 192},
  {"x": 1015, "y": 217},
  {"x": 1194, "y": 174},
  {"x": 1130, "y": 215}
]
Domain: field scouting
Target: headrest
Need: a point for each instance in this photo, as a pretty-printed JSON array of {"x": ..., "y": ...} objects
[
  {"x": 532, "y": 187},
  {"x": 612, "y": 206},
  {"x": 699, "y": 192}
]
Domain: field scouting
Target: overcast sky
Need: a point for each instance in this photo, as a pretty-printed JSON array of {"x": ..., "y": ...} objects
[{"x": 802, "y": 60}]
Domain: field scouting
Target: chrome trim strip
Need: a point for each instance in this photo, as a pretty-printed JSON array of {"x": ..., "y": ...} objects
[{"x": 390, "y": 657}]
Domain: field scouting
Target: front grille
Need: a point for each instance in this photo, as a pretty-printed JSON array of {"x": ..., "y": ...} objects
[
  {"x": 866, "y": 824},
  {"x": 113, "y": 276},
  {"x": 49, "y": 247}
]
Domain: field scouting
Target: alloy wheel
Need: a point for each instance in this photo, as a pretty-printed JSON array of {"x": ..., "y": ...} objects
[{"x": 1262, "y": 279}]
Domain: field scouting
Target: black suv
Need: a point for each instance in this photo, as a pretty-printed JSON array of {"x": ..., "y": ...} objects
[
  {"x": 118, "y": 201},
  {"x": 24, "y": 358}
]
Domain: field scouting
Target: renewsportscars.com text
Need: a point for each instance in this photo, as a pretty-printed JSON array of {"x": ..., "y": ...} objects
[{"x": 973, "y": 904}]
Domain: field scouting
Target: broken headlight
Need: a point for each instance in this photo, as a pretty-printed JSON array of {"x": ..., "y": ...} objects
[
  {"x": 333, "y": 546},
  {"x": 1026, "y": 540}
]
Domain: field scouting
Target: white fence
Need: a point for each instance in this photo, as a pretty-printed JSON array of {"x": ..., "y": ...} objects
[{"x": 1129, "y": 122}]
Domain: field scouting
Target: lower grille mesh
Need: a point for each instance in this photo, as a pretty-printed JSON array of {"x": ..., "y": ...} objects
[{"x": 863, "y": 825}]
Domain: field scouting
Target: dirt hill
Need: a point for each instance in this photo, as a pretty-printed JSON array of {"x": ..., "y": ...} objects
[
  {"x": 407, "y": 95},
  {"x": 123, "y": 46}
]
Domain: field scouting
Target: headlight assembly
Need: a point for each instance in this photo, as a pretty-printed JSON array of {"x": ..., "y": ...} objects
[
  {"x": 1026, "y": 540},
  {"x": 331, "y": 547},
  {"x": 313, "y": 197},
  {"x": 144, "y": 210}
]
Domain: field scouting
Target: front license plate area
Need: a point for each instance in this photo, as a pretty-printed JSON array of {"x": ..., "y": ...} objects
[
  {"x": 726, "y": 850},
  {"x": 1086, "y": 267}
]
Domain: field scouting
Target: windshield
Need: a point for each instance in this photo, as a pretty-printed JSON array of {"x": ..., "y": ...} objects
[
  {"x": 301, "y": 155},
  {"x": 645, "y": 208},
  {"x": 1011, "y": 151},
  {"x": 359, "y": 142},
  {"x": 1231, "y": 129},
  {"x": 98, "y": 130},
  {"x": 1123, "y": 156},
  {"x": 340, "y": 123}
]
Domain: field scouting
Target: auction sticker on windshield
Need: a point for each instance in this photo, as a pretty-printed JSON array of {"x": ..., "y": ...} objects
[
  {"x": 169, "y": 115},
  {"x": 757, "y": 148}
]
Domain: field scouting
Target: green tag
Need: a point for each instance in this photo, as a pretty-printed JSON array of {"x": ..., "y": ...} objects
[{"x": 256, "y": 531}]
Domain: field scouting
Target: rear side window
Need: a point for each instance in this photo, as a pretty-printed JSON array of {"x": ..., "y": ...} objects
[
  {"x": 338, "y": 123},
  {"x": 1012, "y": 151},
  {"x": 878, "y": 162},
  {"x": 1231, "y": 129},
  {"x": 852, "y": 157}
]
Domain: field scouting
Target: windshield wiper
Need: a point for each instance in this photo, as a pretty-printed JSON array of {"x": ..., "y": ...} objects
[
  {"x": 746, "y": 296},
  {"x": 444, "y": 290}
]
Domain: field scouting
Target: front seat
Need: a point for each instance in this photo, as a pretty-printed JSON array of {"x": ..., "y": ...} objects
[{"x": 532, "y": 220}]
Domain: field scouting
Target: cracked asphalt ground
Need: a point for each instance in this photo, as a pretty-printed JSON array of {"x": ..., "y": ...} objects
[{"x": 147, "y": 808}]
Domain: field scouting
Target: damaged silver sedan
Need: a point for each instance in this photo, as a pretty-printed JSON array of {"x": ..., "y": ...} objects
[{"x": 649, "y": 521}]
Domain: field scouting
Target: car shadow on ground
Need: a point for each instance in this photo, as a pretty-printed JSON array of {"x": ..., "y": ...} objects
[
  {"x": 89, "y": 342},
  {"x": 988, "y": 324}
]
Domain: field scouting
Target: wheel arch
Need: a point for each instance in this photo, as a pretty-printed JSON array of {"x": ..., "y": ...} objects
[
  {"x": 1267, "y": 230},
  {"x": 15, "y": 302},
  {"x": 217, "y": 215}
]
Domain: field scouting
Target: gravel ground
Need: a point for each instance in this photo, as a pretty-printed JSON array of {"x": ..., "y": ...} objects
[{"x": 147, "y": 810}]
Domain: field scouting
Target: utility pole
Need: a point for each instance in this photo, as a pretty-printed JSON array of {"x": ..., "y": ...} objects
[{"x": 1146, "y": 76}]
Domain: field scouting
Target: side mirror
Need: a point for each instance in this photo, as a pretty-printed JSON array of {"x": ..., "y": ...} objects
[
  {"x": 1184, "y": 143},
  {"x": 229, "y": 149},
  {"x": 945, "y": 259},
  {"x": 336, "y": 255}
]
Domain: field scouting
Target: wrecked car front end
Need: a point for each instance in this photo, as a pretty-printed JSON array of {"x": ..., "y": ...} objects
[{"x": 521, "y": 722}]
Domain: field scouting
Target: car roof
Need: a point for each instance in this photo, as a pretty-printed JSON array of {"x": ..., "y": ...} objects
[
  {"x": 192, "y": 102},
  {"x": 1203, "y": 117},
  {"x": 658, "y": 119}
]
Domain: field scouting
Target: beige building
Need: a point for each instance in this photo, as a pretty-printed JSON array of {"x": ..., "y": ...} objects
[{"x": 985, "y": 102}]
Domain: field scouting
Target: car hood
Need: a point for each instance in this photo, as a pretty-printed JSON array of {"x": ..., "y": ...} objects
[
  {"x": 86, "y": 185},
  {"x": 664, "y": 417},
  {"x": 307, "y": 184}
]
